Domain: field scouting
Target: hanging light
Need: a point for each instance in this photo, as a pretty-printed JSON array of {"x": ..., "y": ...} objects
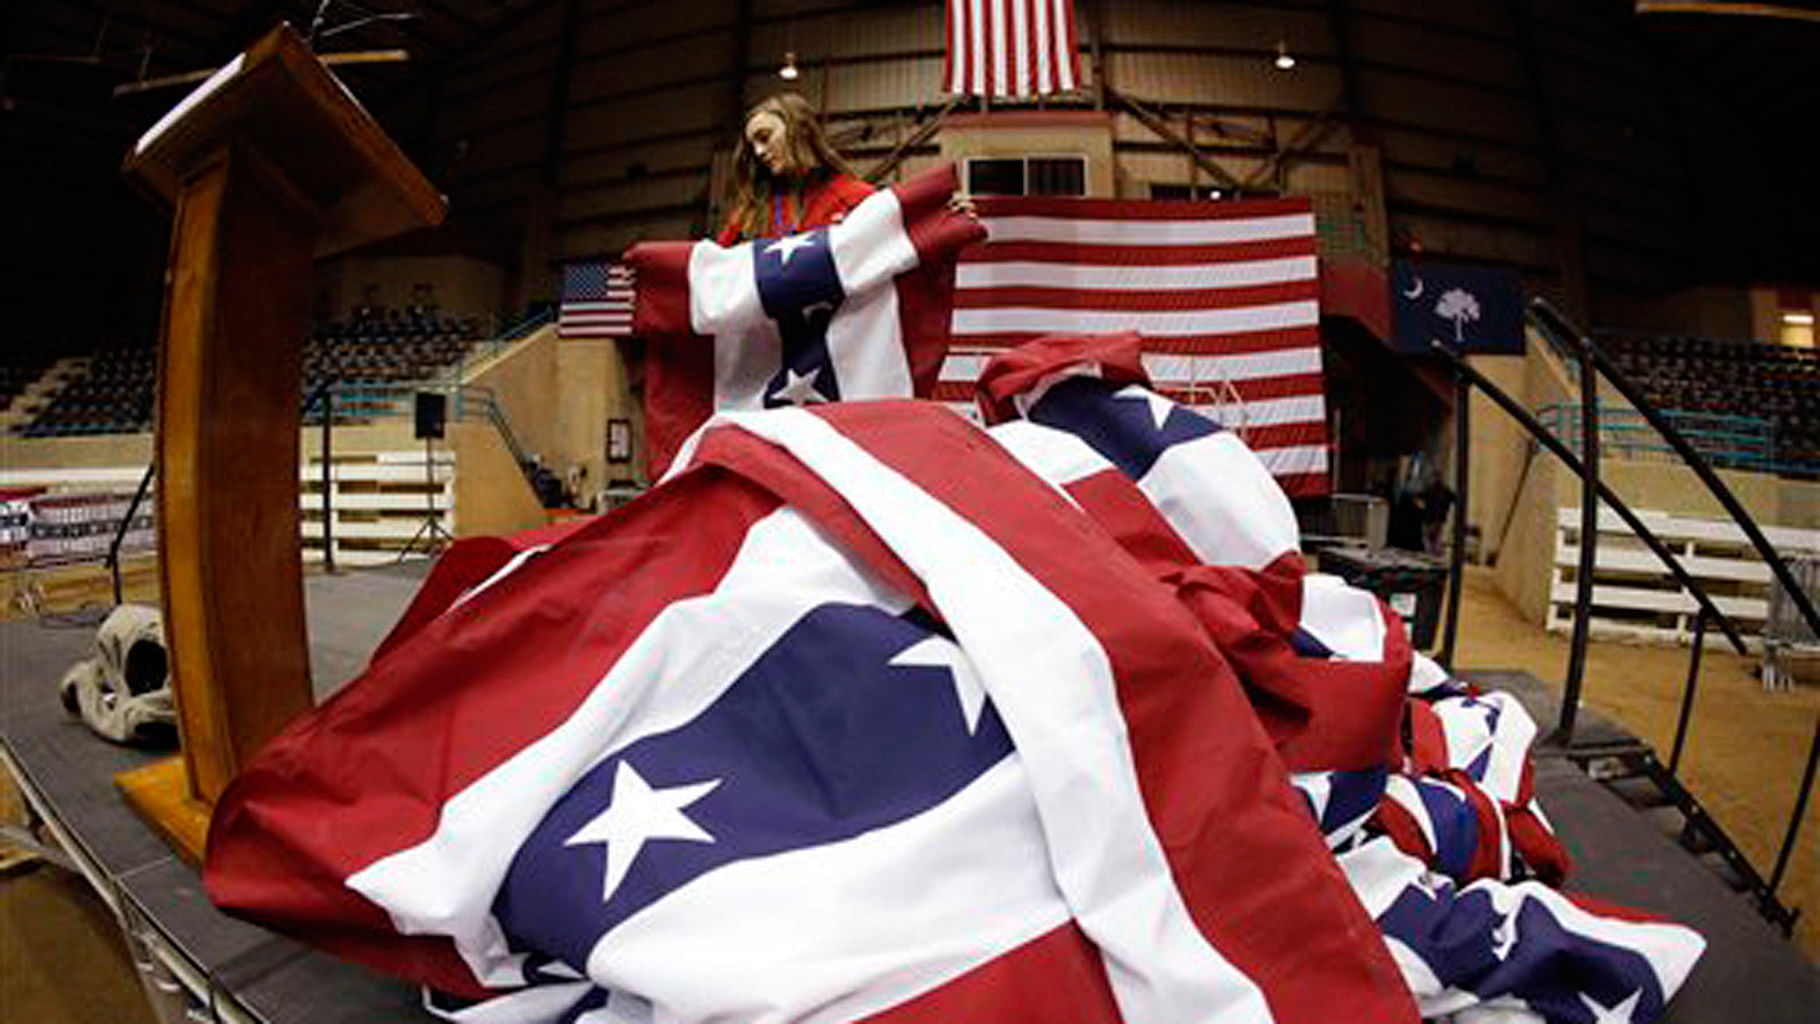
[
  {"x": 788, "y": 72},
  {"x": 1284, "y": 61}
]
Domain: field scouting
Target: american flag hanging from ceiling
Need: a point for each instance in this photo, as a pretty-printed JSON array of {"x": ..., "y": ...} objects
[
  {"x": 596, "y": 300},
  {"x": 1011, "y": 48}
]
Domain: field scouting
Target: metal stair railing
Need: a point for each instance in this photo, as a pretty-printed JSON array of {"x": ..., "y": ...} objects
[
  {"x": 126, "y": 523},
  {"x": 1593, "y": 364}
]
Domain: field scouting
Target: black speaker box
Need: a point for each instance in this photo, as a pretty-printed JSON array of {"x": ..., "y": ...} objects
[{"x": 432, "y": 414}]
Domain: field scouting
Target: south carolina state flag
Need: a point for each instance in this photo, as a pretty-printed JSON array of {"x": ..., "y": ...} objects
[{"x": 855, "y": 310}]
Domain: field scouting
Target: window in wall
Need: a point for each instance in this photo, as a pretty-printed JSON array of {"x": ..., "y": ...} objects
[
  {"x": 1796, "y": 309},
  {"x": 1027, "y": 176},
  {"x": 1797, "y": 328},
  {"x": 1057, "y": 176}
]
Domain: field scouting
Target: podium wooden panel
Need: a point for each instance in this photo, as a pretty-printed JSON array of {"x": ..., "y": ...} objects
[{"x": 268, "y": 165}]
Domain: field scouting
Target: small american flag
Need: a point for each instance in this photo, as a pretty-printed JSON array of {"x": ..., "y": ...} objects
[
  {"x": 596, "y": 300},
  {"x": 1011, "y": 47},
  {"x": 1225, "y": 296}
]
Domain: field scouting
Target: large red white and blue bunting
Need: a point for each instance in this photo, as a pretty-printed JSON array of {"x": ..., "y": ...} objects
[
  {"x": 867, "y": 714},
  {"x": 1225, "y": 295},
  {"x": 856, "y": 310}
]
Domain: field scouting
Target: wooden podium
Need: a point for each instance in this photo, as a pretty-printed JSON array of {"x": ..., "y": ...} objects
[{"x": 269, "y": 164}]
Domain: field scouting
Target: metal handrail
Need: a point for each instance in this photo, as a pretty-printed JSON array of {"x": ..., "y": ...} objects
[
  {"x": 321, "y": 394},
  {"x": 1742, "y": 442},
  {"x": 1589, "y": 544},
  {"x": 1559, "y": 449},
  {"x": 126, "y": 522},
  {"x": 1552, "y": 321}
]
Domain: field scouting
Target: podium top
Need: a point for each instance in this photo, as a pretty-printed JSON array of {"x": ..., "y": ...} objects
[{"x": 280, "y": 101}]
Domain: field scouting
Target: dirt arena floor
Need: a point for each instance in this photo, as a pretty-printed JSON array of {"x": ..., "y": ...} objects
[{"x": 1746, "y": 748}]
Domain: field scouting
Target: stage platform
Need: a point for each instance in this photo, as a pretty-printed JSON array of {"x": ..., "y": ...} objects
[{"x": 237, "y": 972}]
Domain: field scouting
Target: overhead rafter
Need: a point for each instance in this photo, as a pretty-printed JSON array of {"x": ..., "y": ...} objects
[
  {"x": 1733, "y": 10},
  {"x": 1308, "y": 140},
  {"x": 1157, "y": 124}
]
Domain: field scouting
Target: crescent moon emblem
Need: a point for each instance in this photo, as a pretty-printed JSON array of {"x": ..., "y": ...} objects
[{"x": 1415, "y": 292}]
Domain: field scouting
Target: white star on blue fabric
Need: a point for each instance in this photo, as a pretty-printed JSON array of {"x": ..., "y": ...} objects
[
  {"x": 636, "y": 815},
  {"x": 799, "y": 388},
  {"x": 937, "y": 652},
  {"x": 786, "y": 247},
  {"x": 1623, "y": 1013},
  {"x": 1160, "y": 407},
  {"x": 1504, "y": 937}
]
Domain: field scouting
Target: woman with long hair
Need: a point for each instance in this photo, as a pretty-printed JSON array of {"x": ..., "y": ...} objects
[{"x": 787, "y": 176}]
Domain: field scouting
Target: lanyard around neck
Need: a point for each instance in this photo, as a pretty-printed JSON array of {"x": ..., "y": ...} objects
[{"x": 781, "y": 225}]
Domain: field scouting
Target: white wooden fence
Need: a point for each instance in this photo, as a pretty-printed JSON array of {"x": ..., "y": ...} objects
[
  {"x": 1635, "y": 596},
  {"x": 379, "y": 501}
]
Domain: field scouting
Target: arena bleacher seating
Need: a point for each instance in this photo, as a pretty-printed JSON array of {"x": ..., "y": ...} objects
[
  {"x": 115, "y": 392},
  {"x": 1780, "y": 383},
  {"x": 17, "y": 374}
]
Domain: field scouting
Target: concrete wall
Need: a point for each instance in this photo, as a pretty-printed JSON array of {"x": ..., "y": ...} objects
[
  {"x": 1498, "y": 448},
  {"x": 458, "y": 285},
  {"x": 100, "y": 452},
  {"x": 558, "y": 395},
  {"x": 106, "y": 451},
  {"x": 492, "y": 496},
  {"x": 1524, "y": 561},
  {"x": 594, "y": 390}
]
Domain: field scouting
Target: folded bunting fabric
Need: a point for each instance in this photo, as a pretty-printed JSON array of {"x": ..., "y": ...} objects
[
  {"x": 1440, "y": 835},
  {"x": 868, "y": 714},
  {"x": 855, "y": 310}
]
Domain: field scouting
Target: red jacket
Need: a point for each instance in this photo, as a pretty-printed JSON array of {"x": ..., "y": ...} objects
[{"x": 825, "y": 200}]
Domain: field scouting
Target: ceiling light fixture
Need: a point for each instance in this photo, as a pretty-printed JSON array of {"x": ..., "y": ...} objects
[
  {"x": 788, "y": 72},
  {"x": 1284, "y": 61},
  {"x": 1803, "y": 319}
]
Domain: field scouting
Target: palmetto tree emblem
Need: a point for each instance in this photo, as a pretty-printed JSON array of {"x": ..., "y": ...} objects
[{"x": 1457, "y": 305}]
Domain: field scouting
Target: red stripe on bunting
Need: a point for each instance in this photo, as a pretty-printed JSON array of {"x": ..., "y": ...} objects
[
  {"x": 1217, "y": 796},
  {"x": 308, "y": 812}
]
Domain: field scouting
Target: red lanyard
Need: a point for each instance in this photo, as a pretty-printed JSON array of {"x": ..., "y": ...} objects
[{"x": 778, "y": 223}]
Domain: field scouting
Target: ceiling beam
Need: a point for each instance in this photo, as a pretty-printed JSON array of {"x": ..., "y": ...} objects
[{"x": 1735, "y": 10}]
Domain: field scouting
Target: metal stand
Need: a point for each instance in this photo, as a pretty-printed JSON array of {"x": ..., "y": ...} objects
[{"x": 431, "y": 533}]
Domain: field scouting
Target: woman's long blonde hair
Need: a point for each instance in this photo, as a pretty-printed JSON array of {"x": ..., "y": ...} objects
[{"x": 810, "y": 152}]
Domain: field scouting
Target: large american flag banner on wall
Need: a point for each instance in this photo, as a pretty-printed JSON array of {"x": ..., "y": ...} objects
[
  {"x": 596, "y": 300},
  {"x": 1011, "y": 48},
  {"x": 1224, "y": 295}
]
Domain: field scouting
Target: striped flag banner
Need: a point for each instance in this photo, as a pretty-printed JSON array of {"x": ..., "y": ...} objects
[
  {"x": 596, "y": 300},
  {"x": 1224, "y": 295},
  {"x": 1011, "y": 48}
]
